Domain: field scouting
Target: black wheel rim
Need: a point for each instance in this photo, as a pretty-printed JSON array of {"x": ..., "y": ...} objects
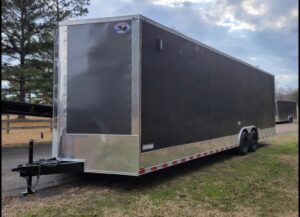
[
  {"x": 245, "y": 144},
  {"x": 254, "y": 141}
]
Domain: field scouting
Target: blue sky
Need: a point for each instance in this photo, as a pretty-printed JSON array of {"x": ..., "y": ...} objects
[{"x": 260, "y": 32}]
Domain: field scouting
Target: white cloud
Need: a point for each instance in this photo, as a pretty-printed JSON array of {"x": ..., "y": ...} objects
[
  {"x": 261, "y": 32},
  {"x": 233, "y": 24},
  {"x": 294, "y": 12},
  {"x": 179, "y": 3},
  {"x": 287, "y": 80},
  {"x": 254, "y": 8}
]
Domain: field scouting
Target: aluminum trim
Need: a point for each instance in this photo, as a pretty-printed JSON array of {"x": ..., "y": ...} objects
[
  {"x": 104, "y": 152},
  {"x": 199, "y": 43},
  {"x": 135, "y": 77},
  {"x": 55, "y": 96},
  {"x": 266, "y": 132},
  {"x": 111, "y": 172},
  {"x": 97, "y": 20},
  {"x": 162, "y": 156},
  {"x": 61, "y": 92},
  {"x": 99, "y": 134},
  {"x": 248, "y": 128},
  {"x": 183, "y": 160}
]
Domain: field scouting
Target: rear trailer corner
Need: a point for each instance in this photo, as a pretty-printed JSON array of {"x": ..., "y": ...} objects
[{"x": 98, "y": 94}]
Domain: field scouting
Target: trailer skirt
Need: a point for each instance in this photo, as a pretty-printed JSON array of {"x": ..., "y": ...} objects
[{"x": 162, "y": 158}]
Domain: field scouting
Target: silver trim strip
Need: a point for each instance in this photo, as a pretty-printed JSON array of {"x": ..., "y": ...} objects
[
  {"x": 112, "y": 172},
  {"x": 61, "y": 92},
  {"x": 248, "y": 128},
  {"x": 184, "y": 159},
  {"x": 161, "y": 156},
  {"x": 135, "y": 77},
  {"x": 97, "y": 20}
]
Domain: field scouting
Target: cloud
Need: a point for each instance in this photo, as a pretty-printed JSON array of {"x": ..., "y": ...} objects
[
  {"x": 260, "y": 32},
  {"x": 254, "y": 8}
]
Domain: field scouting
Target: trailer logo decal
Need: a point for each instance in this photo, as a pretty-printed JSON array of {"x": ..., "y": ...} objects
[{"x": 122, "y": 28}]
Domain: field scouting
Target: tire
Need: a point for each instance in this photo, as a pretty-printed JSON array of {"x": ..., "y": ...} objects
[
  {"x": 244, "y": 144},
  {"x": 253, "y": 140},
  {"x": 290, "y": 119}
]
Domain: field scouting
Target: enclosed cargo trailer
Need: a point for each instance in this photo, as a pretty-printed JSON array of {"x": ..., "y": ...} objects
[
  {"x": 133, "y": 96},
  {"x": 285, "y": 111}
]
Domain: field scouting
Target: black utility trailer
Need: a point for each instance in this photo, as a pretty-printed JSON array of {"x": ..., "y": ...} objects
[
  {"x": 132, "y": 96},
  {"x": 285, "y": 111}
]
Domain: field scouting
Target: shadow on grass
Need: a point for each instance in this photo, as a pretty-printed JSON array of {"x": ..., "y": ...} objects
[
  {"x": 150, "y": 180},
  {"x": 284, "y": 122}
]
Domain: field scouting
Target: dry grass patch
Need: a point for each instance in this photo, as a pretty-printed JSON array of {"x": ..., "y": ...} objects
[
  {"x": 17, "y": 138},
  {"x": 21, "y": 137},
  {"x": 291, "y": 160}
]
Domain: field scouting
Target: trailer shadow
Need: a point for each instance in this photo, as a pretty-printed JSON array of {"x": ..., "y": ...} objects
[
  {"x": 127, "y": 183},
  {"x": 152, "y": 179},
  {"x": 147, "y": 181},
  {"x": 283, "y": 122}
]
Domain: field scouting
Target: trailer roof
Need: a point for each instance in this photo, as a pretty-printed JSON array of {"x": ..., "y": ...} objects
[{"x": 138, "y": 16}]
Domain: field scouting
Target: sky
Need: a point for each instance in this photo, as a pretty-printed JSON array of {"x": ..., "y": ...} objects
[{"x": 263, "y": 33}]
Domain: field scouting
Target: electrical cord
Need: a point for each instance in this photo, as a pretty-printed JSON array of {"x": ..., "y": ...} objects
[{"x": 50, "y": 163}]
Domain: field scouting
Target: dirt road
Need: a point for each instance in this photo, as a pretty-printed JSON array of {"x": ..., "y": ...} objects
[
  {"x": 286, "y": 127},
  {"x": 12, "y": 184}
]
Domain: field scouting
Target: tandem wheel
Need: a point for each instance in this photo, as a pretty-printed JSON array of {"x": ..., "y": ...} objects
[
  {"x": 290, "y": 119},
  {"x": 243, "y": 148},
  {"x": 253, "y": 140}
]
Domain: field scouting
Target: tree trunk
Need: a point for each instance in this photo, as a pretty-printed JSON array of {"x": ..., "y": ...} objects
[
  {"x": 22, "y": 81},
  {"x": 22, "y": 95}
]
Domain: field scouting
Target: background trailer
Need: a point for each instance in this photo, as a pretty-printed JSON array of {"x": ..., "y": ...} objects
[
  {"x": 285, "y": 111},
  {"x": 133, "y": 96}
]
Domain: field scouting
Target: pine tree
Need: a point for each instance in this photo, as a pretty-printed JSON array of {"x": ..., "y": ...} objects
[
  {"x": 28, "y": 32},
  {"x": 20, "y": 30},
  {"x": 56, "y": 11}
]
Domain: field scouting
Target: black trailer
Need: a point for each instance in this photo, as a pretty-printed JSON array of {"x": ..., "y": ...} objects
[
  {"x": 285, "y": 111},
  {"x": 132, "y": 96}
]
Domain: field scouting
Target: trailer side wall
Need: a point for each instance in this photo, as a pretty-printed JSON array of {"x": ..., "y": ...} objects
[
  {"x": 191, "y": 93},
  {"x": 285, "y": 109}
]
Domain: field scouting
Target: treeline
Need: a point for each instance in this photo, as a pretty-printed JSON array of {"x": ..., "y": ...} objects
[
  {"x": 28, "y": 34},
  {"x": 287, "y": 94}
]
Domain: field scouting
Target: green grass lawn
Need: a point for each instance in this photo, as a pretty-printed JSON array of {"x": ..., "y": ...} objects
[{"x": 264, "y": 183}]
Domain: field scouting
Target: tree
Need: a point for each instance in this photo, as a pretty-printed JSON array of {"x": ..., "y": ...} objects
[
  {"x": 287, "y": 94},
  {"x": 28, "y": 30},
  {"x": 20, "y": 30},
  {"x": 56, "y": 11}
]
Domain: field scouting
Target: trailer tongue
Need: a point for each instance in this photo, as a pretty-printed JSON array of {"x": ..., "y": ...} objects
[{"x": 44, "y": 167}]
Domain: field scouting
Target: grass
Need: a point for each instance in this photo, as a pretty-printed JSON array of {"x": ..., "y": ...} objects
[
  {"x": 264, "y": 183},
  {"x": 21, "y": 137}
]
